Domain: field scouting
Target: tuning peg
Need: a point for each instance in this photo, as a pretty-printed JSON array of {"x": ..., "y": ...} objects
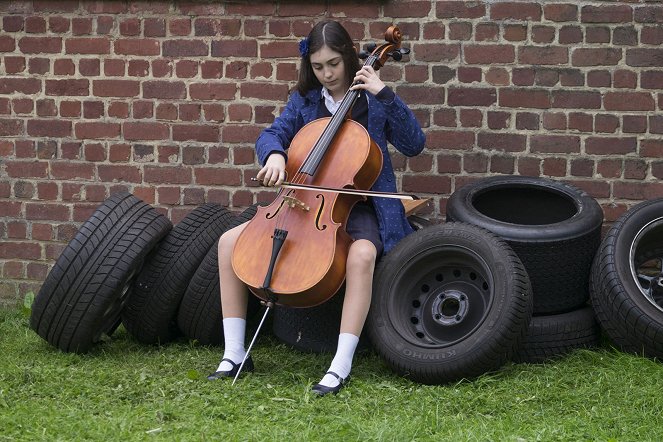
[
  {"x": 396, "y": 55},
  {"x": 363, "y": 55},
  {"x": 370, "y": 47},
  {"x": 404, "y": 51}
]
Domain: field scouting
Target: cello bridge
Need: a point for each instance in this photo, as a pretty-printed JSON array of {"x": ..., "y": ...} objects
[{"x": 295, "y": 203}]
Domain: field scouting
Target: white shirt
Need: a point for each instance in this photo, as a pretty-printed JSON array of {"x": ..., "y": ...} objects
[{"x": 332, "y": 106}]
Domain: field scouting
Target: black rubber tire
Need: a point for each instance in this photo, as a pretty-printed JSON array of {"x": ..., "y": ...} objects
[
  {"x": 150, "y": 315},
  {"x": 316, "y": 329},
  {"x": 85, "y": 291},
  {"x": 554, "y": 228},
  {"x": 450, "y": 301},
  {"x": 626, "y": 284},
  {"x": 199, "y": 315},
  {"x": 552, "y": 336}
]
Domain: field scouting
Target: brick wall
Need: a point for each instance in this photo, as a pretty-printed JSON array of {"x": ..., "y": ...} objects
[{"x": 166, "y": 100}]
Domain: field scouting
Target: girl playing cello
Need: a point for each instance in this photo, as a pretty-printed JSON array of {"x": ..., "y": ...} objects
[{"x": 329, "y": 67}]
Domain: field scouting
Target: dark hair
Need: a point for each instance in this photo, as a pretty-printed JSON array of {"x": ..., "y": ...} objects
[{"x": 331, "y": 34}]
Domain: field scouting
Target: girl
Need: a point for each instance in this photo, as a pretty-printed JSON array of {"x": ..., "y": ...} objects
[{"x": 329, "y": 67}]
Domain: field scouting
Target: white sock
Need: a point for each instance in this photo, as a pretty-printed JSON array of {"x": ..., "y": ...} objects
[
  {"x": 234, "y": 330},
  {"x": 342, "y": 362}
]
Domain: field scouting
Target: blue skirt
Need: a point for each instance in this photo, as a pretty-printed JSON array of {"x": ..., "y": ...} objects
[{"x": 363, "y": 224}]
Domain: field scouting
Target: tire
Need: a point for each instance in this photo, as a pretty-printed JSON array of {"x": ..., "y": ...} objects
[
  {"x": 556, "y": 335},
  {"x": 316, "y": 329},
  {"x": 554, "y": 228},
  {"x": 199, "y": 315},
  {"x": 85, "y": 291},
  {"x": 451, "y": 301},
  {"x": 626, "y": 284},
  {"x": 150, "y": 315}
]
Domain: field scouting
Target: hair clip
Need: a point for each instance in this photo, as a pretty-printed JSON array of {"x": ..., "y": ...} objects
[{"x": 303, "y": 47}]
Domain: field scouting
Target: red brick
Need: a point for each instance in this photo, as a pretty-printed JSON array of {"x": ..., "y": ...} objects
[
  {"x": 554, "y": 167},
  {"x": 14, "y": 65},
  {"x": 610, "y": 145},
  {"x": 637, "y": 190},
  {"x": 184, "y": 48},
  {"x": 27, "y": 86},
  {"x": 40, "y": 211},
  {"x": 17, "y": 230},
  {"x": 37, "y": 45},
  {"x": 242, "y": 48},
  {"x": 167, "y": 175},
  {"x": 115, "y": 88},
  {"x": 629, "y": 101},
  {"x": 543, "y": 34},
  {"x": 112, "y": 173},
  {"x": 427, "y": 184},
  {"x": 525, "y": 98},
  {"x": 503, "y": 142},
  {"x": 179, "y": 26},
  {"x": 217, "y": 27},
  {"x": 450, "y": 140},
  {"x": 543, "y": 55},
  {"x": 437, "y": 52},
  {"x": 197, "y": 132},
  {"x": 142, "y": 109},
  {"x": 7, "y": 43},
  {"x": 118, "y": 109},
  {"x": 93, "y": 45},
  {"x": 166, "y": 111},
  {"x": 465, "y": 96},
  {"x": 47, "y": 191},
  {"x": 66, "y": 170},
  {"x": 145, "y": 131},
  {"x": 561, "y": 12},
  {"x": 217, "y": 176},
  {"x": 138, "y": 68},
  {"x": 97, "y": 130},
  {"x": 240, "y": 134},
  {"x": 459, "y": 9},
  {"x": 164, "y": 89},
  {"x": 576, "y": 99},
  {"x": 606, "y": 14},
  {"x": 264, "y": 91},
  {"x": 68, "y": 87},
  {"x": 651, "y": 148},
  {"x": 19, "y": 250},
  {"x": 596, "y": 56},
  {"x": 49, "y": 128},
  {"x": 136, "y": 46},
  {"x": 214, "y": 91},
  {"x": 11, "y": 127},
  {"x": 515, "y": 11},
  {"x": 644, "y": 57},
  {"x": 13, "y": 23},
  {"x": 554, "y": 144},
  {"x": 488, "y": 54}
]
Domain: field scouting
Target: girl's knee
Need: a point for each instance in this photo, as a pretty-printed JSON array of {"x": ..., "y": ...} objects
[{"x": 362, "y": 254}]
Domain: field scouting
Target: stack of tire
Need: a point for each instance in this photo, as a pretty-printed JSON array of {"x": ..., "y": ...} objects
[
  {"x": 128, "y": 265},
  {"x": 555, "y": 229}
]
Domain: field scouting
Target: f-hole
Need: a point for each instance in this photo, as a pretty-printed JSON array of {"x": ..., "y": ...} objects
[
  {"x": 319, "y": 214},
  {"x": 278, "y": 209}
]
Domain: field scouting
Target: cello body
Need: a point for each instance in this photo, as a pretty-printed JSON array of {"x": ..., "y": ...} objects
[{"x": 310, "y": 267}]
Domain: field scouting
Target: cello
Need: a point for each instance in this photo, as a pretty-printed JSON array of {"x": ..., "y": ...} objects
[{"x": 293, "y": 252}]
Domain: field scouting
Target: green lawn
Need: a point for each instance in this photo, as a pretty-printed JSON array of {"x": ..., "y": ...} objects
[{"x": 126, "y": 391}]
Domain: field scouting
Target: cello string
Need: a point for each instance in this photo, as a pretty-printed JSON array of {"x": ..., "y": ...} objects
[{"x": 322, "y": 144}]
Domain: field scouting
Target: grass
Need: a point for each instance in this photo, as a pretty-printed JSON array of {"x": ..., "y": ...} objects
[{"x": 125, "y": 391}]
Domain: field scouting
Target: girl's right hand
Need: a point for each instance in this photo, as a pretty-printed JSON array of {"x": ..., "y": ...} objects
[{"x": 273, "y": 173}]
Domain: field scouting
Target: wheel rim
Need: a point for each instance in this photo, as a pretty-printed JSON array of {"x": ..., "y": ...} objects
[
  {"x": 445, "y": 297},
  {"x": 646, "y": 262}
]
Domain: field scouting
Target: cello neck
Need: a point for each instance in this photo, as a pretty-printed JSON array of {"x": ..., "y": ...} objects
[{"x": 310, "y": 165}]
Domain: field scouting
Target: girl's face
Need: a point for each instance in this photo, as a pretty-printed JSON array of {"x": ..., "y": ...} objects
[{"x": 329, "y": 69}]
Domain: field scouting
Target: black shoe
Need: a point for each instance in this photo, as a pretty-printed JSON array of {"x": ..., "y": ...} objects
[
  {"x": 322, "y": 390},
  {"x": 248, "y": 366}
]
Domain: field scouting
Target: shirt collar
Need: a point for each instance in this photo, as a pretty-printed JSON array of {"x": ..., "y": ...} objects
[{"x": 331, "y": 105}]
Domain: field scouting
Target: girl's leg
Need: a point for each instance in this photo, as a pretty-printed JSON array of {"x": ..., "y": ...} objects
[
  {"x": 234, "y": 299},
  {"x": 358, "y": 291}
]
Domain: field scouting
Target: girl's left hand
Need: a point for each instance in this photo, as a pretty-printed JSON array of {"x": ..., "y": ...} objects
[{"x": 369, "y": 80}]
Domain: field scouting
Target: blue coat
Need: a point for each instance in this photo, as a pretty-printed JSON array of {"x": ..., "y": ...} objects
[{"x": 393, "y": 122}]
